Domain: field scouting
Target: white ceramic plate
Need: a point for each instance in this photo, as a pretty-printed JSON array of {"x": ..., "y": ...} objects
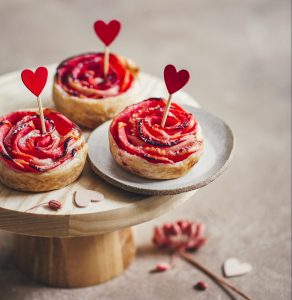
[{"x": 219, "y": 144}]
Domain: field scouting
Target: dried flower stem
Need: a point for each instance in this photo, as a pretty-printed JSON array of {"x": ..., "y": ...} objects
[
  {"x": 189, "y": 258},
  {"x": 46, "y": 203},
  {"x": 36, "y": 206},
  {"x": 172, "y": 259}
]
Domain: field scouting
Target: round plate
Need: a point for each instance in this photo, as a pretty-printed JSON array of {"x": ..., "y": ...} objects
[{"x": 219, "y": 143}]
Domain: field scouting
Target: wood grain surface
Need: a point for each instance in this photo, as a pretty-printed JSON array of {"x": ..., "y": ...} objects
[{"x": 75, "y": 262}]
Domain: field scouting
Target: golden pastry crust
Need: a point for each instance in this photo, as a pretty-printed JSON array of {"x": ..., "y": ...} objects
[
  {"x": 90, "y": 113},
  {"x": 144, "y": 168},
  {"x": 54, "y": 179}
]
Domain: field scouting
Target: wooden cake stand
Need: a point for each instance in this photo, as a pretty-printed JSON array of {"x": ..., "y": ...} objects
[{"x": 76, "y": 247}]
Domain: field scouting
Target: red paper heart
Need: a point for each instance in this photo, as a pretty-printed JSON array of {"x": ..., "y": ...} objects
[
  {"x": 107, "y": 32},
  {"x": 175, "y": 80},
  {"x": 35, "y": 81}
]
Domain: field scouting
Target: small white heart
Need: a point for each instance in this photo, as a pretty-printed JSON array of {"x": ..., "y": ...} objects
[
  {"x": 233, "y": 267},
  {"x": 82, "y": 198}
]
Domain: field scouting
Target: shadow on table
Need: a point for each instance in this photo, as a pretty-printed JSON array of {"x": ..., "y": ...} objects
[
  {"x": 17, "y": 286},
  {"x": 149, "y": 250},
  {"x": 13, "y": 284}
]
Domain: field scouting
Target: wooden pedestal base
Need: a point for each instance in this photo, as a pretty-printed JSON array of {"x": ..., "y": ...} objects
[{"x": 75, "y": 262}]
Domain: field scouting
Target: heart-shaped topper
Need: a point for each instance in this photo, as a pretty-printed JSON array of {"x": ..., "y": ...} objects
[
  {"x": 233, "y": 267},
  {"x": 107, "y": 32},
  {"x": 175, "y": 80},
  {"x": 83, "y": 197},
  {"x": 35, "y": 81}
]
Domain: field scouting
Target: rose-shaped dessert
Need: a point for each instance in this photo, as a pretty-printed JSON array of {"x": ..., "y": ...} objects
[
  {"x": 142, "y": 146},
  {"x": 85, "y": 95},
  {"x": 33, "y": 161}
]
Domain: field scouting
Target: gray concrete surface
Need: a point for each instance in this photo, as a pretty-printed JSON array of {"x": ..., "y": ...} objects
[{"x": 238, "y": 53}]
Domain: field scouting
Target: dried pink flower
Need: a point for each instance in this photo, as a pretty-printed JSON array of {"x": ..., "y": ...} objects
[
  {"x": 181, "y": 235},
  {"x": 55, "y": 204}
]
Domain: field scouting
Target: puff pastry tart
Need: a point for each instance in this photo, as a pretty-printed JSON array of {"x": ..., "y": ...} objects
[
  {"x": 36, "y": 162},
  {"x": 81, "y": 92},
  {"x": 142, "y": 146}
]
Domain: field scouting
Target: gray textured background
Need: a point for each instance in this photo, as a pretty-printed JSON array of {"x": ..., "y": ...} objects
[{"x": 238, "y": 53}]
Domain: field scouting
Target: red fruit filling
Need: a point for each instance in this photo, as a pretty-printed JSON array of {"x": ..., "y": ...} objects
[
  {"x": 83, "y": 76},
  {"x": 137, "y": 130},
  {"x": 23, "y": 146}
]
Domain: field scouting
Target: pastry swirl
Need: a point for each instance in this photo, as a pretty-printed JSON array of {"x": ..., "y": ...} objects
[
  {"x": 83, "y": 76},
  {"x": 83, "y": 94},
  {"x": 171, "y": 150},
  {"x": 26, "y": 151}
]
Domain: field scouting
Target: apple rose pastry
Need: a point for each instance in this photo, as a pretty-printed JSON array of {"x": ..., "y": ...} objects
[
  {"x": 37, "y": 162},
  {"x": 142, "y": 146},
  {"x": 86, "y": 96}
]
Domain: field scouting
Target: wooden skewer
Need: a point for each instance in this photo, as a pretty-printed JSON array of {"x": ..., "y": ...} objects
[
  {"x": 189, "y": 258},
  {"x": 166, "y": 111},
  {"x": 42, "y": 115},
  {"x": 106, "y": 61}
]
